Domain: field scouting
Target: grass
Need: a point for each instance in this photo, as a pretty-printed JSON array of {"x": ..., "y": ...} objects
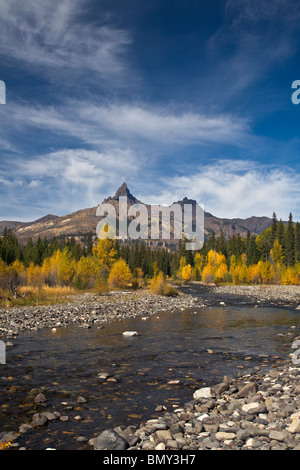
[{"x": 34, "y": 296}]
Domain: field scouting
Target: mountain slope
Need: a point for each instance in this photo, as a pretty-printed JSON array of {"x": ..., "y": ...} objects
[{"x": 85, "y": 221}]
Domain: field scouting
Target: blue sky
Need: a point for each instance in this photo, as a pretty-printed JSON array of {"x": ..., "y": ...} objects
[{"x": 176, "y": 98}]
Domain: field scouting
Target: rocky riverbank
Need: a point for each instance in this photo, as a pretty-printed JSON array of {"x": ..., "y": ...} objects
[
  {"x": 88, "y": 309},
  {"x": 280, "y": 295},
  {"x": 252, "y": 295},
  {"x": 260, "y": 411}
]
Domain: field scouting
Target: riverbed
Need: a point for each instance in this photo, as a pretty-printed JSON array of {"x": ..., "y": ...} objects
[{"x": 174, "y": 353}]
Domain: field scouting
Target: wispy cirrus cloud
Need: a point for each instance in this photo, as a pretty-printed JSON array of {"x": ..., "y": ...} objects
[
  {"x": 255, "y": 37},
  {"x": 53, "y": 39},
  {"x": 113, "y": 124}
]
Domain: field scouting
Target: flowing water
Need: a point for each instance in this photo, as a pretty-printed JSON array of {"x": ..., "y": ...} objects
[{"x": 195, "y": 346}]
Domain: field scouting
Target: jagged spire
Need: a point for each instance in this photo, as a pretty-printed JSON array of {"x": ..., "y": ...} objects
[{"x": 123, "y": 191}]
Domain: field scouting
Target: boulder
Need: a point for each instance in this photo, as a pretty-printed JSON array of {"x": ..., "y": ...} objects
[{"x": 110, "y": 440}]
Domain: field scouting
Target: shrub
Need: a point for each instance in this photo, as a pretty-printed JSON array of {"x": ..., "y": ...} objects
[{"x": 159, "y": 286}]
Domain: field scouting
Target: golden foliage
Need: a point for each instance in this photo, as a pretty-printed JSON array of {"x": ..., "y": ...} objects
[
  {"x": 120, "y": 275},
  {"x": 159, "y": 286},
  {"x": 186, "y": 273}
]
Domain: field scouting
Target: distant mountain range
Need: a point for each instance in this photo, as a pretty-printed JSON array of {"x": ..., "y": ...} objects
[{"x": 84, "y": 221}]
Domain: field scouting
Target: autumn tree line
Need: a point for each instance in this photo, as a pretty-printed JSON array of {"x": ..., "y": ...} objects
[{"x": 271, "y": 257}]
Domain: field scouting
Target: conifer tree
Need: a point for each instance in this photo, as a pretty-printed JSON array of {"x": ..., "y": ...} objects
[
  {"x": 297, "y": 242},
  {"x": 290, "y": 242},
  {"x": 273, "y": 234}
]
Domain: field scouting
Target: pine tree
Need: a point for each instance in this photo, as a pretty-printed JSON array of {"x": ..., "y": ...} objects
[
  {"x": 273, "y": 234},
  {"x": 297, "y": 242},
  {"x": 221, "y": 244},
  {"x": 211, "y": 244},
  {"x": 251, "y": 250},
  {"x": 290, "y": 243},
  {"x": 280, "y": 234},
  {"x": 89, "y": 244}
]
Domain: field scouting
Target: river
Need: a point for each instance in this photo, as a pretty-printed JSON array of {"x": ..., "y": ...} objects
[{"x": 196, "y": 347}]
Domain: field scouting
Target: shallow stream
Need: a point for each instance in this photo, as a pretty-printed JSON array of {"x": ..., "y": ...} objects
[{"x": 194, "y": 346}]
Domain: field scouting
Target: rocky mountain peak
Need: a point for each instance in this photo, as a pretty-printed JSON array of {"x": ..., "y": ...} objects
[{"x": 123, "y": 191}]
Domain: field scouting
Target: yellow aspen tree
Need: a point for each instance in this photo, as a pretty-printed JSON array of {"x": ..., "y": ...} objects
[
  {"x": 119, "y": 275},
  {"x": 34, "y": 275},
  {"x": 186, "y": 273},
  {"x": 66, "y": 268},
  {"x": 105, "y": 249},
  {"x": 289, "y": 276}
]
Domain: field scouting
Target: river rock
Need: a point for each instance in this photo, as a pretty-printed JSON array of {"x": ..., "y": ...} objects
[
  {"x": 205, "y": 392},
  {"x": 50, "y": 416},
  {"x": 40, "y": 398},
  {"x": 38, "y": 420},
  {"x": 130, "y": 333},
  {"x": 81, "y": 400},
  {"x": 254, "y": 408},
  {"x": 249, "y": 389},
  {"x": 211, "y": 423},
  {"x": 163, "y": 436},
  {"x": 223, "y": 436},
  {"x": 221, "y": 388},
  {"x": 294, "y": 427},
  {"x": 110, "y": 440},
  {"x": 276, "y": 435}
]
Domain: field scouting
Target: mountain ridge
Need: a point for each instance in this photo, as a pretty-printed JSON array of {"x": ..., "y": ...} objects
[{"x": 81, "y": 222}]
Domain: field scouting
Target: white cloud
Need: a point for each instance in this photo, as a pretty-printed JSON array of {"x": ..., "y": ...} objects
[
  {"x": 53, "y": 37},
  {"x": 114, "y": 124},
  {"x": 167, "y": 125},
  {"x": 71, "y": 179},
  {"x": 230, "y": 189}
]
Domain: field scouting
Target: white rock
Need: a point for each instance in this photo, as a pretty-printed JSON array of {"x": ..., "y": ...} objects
[
  {"x": 222, "y": 436},
  {"x": 130, "y": 333},
  {"x": 205, "y": 392},
  {"x": 254, "y": 407},
  {"x": 202, "y": 416},
  {"x": 294, "y": 427},
  {"x": 250, "y": 442},
  {"x": 160, "y": 446}
]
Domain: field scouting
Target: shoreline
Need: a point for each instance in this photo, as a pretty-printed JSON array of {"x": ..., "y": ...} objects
[
  {"x": 87, "y": 309},
  {"x": 259, "y": 411}
]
